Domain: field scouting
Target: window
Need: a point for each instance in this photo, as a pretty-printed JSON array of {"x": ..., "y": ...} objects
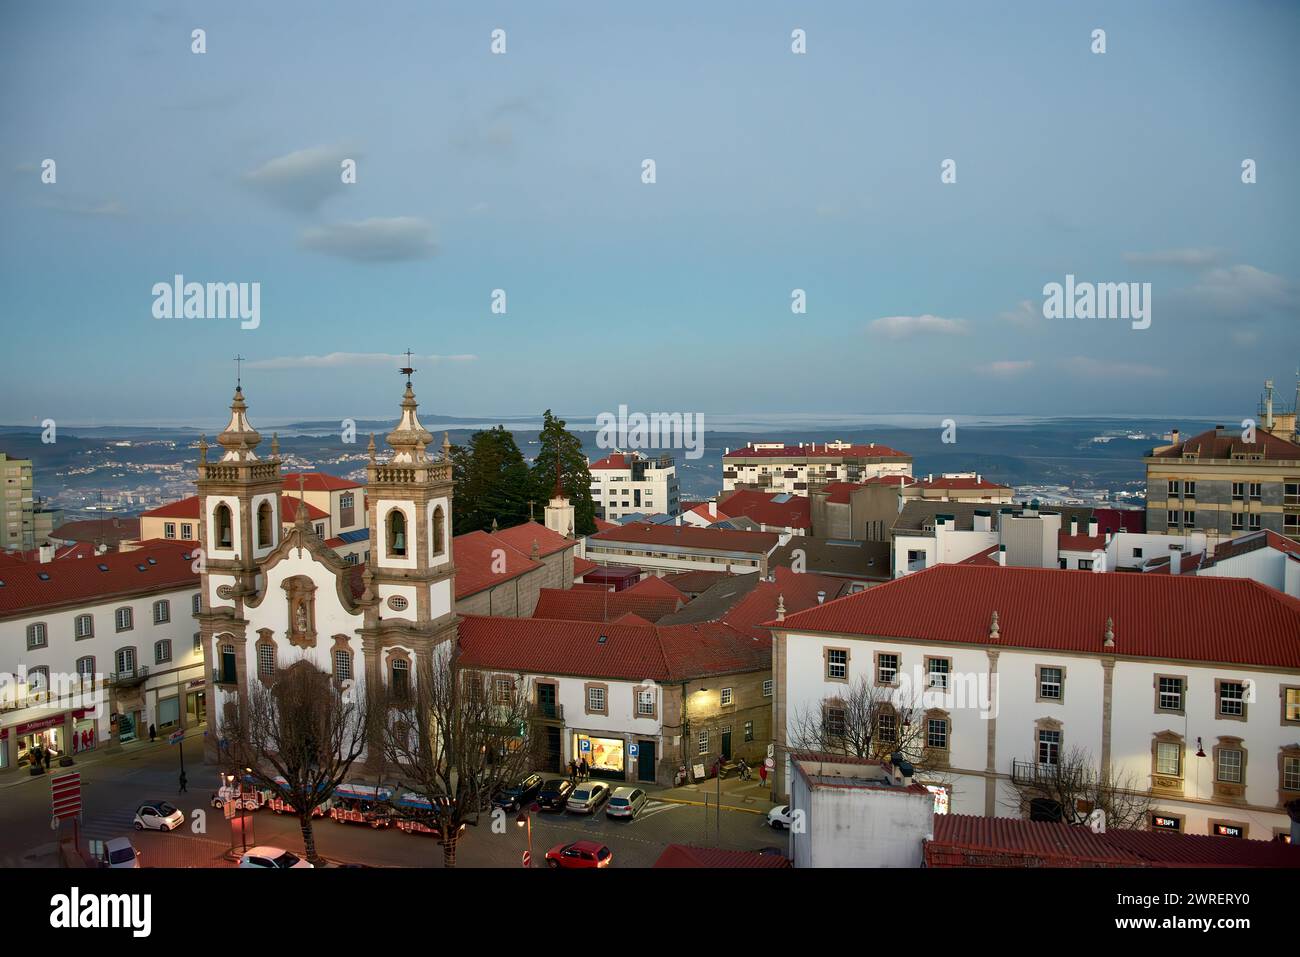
[
  {"x": 749, "y": 731},
  {"x": 1255, "y": 490},
  {"x": 162, "y": 612},
  {"x": 400, "y": 677},
  {"x": 837, "y": 664},
  {"x": 84, "y": 627},
  {"x": 1169, "y": 693},
  {"x": 1255, "y": 522},
  {"x": 1169, "y": 758},
  {"x": 939, "y": 669},
  {"x": 1174, "y": 486},
  {"x": 1291, "y": 772},
  {"x": 439, "y": 530},
  {"x": 396, "y": 533},
  {"x": 198, "y": 643},
  {"x": 1051, "y": 683},
  {"x": 886, "y": 668},
  {"x": 265, "y": 538},
  {"x": 1232, "y": 699},
  {"x": 1137, "y": 553},
  {"x": 1049, "y": 746},
  {"x": 196, "y": 603},
  {"x": 86, "y": 668},
  {"x": 835, "y": 722},
  {"x": 228, "y": 675},
  {"x": 1291, "y": 705},
  {"x": 1228, "y": 766},
  {"x": 767, "y": 688},
  {"x": 124, "y": 619},
  {"x": 1189, "y": 519},
  {"x": 347, "y": 504},
  {"x": 936, "y": 733},
  {"x": 596, "y": 700},
  {"x": 187, "y": 531},
  {"x": 887, "y": 727},
  {"x": 342, "y": 664},
  {"x": 1085, "y": 564},
  {"x": 224, "y": 536},
  {"x": 1189, "y": 490},
  {"x": 36, "y": 636},
  {"x": 38, "y": 681},
  {"x": 1173, "y": 518},
  {"x": 703, "y": 742},
  {"x": 162, "y": 651},
  {"x": 725, "y": 697},
  {"x": 1291, "y": 492},
  {"x": 125, "y": 661},
  {"x": 505, "y": 688},
  {"x": 645, "y": 704},
  {"x": 169, "y": 529},
  {"x": 1238, "y": 521},
  {"x": 1238, "y": 491}
]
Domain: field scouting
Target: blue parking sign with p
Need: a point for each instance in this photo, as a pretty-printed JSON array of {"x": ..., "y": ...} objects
[
  {"x": 633, "y": 750},
  {"x": 584, "y": 745}
]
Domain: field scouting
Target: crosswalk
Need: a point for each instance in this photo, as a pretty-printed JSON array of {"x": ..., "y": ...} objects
[
  {"x": 652, "y": 808},
  {"x": 103, "y": 827}
]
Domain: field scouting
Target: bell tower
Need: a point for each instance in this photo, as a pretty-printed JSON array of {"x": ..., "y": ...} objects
[{"x": 409, "y": 499}]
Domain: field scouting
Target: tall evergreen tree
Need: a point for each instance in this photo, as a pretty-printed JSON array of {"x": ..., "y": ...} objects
[
  {"x": 557, "y": 442},
  {"x": 492, "y": 482}
]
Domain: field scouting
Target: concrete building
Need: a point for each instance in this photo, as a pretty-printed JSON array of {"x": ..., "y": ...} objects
[
  {"x": 660, "y": 549},
  {"x": 96, "y": 648},
  {"x": 1265, "y": 557},
  {"x": 1186, "y": 688},
  {"x": 628, "y": 483},
  {"x": 777, "y": 467},
  {"x": 17, "y": 523}
]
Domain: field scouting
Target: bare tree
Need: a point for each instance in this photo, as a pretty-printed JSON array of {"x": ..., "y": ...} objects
[
  {"x": 869, "y": 721},
  {"x": 457, "y": 736},
  {"x": 1077, "y": 784},
  {"x": 304, "y": 729}
]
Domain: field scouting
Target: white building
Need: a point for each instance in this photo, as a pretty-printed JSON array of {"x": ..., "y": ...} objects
[
  {"x": 1143, "y": 673},
  {"x": 661, "y": 549},
  {"x": 95, "y": 649},
  {"x": 630, "y": 483},
  {"x": 1263, "y": 556},
  {"x": 777, "y": 467}
]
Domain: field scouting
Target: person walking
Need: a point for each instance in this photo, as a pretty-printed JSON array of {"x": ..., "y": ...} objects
[
  {"x": 184, "y": 781},
  {"x": 573, "y": 771},
  {"x": 762, "y": 774},
  {"x": 584, "y": 769},
  {"x": 153, "y": 733}
]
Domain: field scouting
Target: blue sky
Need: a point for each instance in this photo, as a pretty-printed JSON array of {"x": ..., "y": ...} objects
[{"x": 522, "y": 172}]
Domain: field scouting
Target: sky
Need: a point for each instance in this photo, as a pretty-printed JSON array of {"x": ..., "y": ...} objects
[{"x": 522, "y": 171}]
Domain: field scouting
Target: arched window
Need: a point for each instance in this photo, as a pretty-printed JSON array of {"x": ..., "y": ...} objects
[
  {"x": 438, "y": 523},
  {"x": 396, "y": 533},
  {"x": 401, "y": 678},
  {"x": 265, "y": 538},
  {"x": 86, "y": 668},
  {"x": 224, "y": 535}
]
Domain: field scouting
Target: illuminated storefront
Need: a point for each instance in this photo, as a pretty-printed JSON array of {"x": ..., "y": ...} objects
[{"x": 604, "y": 756}]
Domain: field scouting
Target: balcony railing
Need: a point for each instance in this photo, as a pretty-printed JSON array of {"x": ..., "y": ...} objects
[
  {"x": 1031, "y": 772},
  {"x": 546, "y": 711},
  {"x": 129, "y": 677}
]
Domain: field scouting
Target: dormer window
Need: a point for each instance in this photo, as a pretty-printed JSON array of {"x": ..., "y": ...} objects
[
  {"x": 225, "y": 536},
  {"x": 397, "y": 533}
]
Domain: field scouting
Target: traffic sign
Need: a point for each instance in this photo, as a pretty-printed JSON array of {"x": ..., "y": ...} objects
[
  {"x": 584, "y": 745},
  {"x": 528, "y": 859},
  {"x": 65, "y": 795},
  {"x": 176, "y": 737},
  {"x": 633, "y": 750}
]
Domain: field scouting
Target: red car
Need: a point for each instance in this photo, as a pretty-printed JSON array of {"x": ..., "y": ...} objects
[{"x": 579, "y": 854}]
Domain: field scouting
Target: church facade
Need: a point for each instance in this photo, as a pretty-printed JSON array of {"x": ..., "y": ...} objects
[{"x": 273, "y": 595}]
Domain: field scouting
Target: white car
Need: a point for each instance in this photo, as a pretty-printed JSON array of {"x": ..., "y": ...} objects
[
  {"x": 158, "y": 816},
  {"x": 272, "y": 858},
  {"x": 781, "y": 816},
  {"x": 119, "y": 852},
  {"x": 625, "y": 802}
]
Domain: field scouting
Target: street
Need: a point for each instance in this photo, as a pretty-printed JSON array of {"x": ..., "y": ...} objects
[{"x": 113, "y": 785}]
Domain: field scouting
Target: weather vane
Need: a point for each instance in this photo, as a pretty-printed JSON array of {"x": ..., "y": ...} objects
[
  {"x": 238, "y": 378},
  {"x": 407, "y": 370}
]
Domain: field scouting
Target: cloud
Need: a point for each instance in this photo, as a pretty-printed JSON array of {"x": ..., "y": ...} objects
[
  {"x": 1191, "y": 258},
  {"x": 1243, "y": 290},
  {"x": 303, "y": 180},
  {"x": 902, "y": 327},
  {"x": 85, "y": 207},
  {"x": 1005, "y": 368},
  {"x": 338, "y": 360},
  {"x": 1089, "y": 368},
  {"x": 373, "y": 240},
  {"x": 1027, "y": 314}
]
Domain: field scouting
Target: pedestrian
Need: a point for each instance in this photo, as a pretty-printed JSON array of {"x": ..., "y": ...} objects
[
  {"x": 583, "y": 770},
  {"x": 573, "y": 771},
  {"x": 48, "y": 755},
  {"x": 184, "y": 780},
  {"x": 153, "y": 733},
  {"x": 762, "y": 774}
]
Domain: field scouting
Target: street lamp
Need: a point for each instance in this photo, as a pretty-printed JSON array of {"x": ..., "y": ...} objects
[{"x": 525, "y": 819}]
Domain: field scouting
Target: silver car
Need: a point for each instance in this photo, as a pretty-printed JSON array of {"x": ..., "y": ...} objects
[
  {"x": 587, "y": 797},
  {"x": 625, "y": 803},
  {"x": 157, "y": 816}
]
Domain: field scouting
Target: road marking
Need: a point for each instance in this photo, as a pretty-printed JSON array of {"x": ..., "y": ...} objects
[
  {"x": 657, "y": 807},
  {"x": 713, "y": 804}
]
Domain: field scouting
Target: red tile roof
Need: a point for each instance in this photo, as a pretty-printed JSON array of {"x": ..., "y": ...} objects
[
  {"x": 1187, "y": 565},
  {"x": 189, "y": 508},
  {"x": 1226, "y": 443},
  {"x": 581, "y": 566},
  {"x": 903, "y": 481},
  {"x": 763, "y": 507},
  {"x": 962, "y": 840},
  {"x": 521, "y": 538},
  {"x": 317, "y": 482},
  {"x": 477, "y": 556},
  {"x": 694, "y": 583},
  {"x": 110, "y": 530},
  {"x": 683, "y": 855},
  {"x": 1175, "y": 617},
  {"x": 602, "y": 525},
  {"x": 702, "y": 510},
  {"x": 618, "y": 460},
  {"x": 1079, "y": 543},
  {"x": 75, "y": 550},
  {"x": 798, "y": 590},
  {"x": 686, "y": 536},
  {"x": 590, "y": 605},
  {"x": 81, "y": 580},
  {"x": 811, "y": 450},
  {"x": 656, "y": 587},
  {"x": 987, "y": 557},
  {"x": 1243, "y": 544}
]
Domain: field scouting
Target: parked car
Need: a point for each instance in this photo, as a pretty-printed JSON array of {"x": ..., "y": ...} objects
[
  {"x": 272, "y": 858},
  {"x": 119, "y": 852},
  {"x": 579, "y": 854},
  {"x": 519, "y": 794},
  {"x": 158, "y": 816},
  {"x": 587, "y": 797},
  {"x": 555, "y": 794},
  {"x": 781, "y": 816},
  {"x": 625, "y": 803}
]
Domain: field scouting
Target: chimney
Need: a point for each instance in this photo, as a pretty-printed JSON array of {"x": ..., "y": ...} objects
[
  {"x": 1268, "y": 404},
  {"x": 1092, "y": 528},
  {"x": 713, "y": 508},
  {"x": 47, "y": 554},
  {"x": 977, "y": 478},
  {"x": 1175, "y": 562},
  {"x": 1174, "y": 436},
  {"x": 1074, "y": 527},
  {"x": 1002, "y": 558},
  {"x": 930, "y": 477},
  {"x": 821, "y": 597}
]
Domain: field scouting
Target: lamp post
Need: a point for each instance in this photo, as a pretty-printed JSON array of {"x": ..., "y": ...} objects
[{"x": 525, "y": 820}]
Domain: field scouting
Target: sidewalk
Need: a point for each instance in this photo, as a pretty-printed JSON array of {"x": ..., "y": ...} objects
[{"x": 98, "y": 756}]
